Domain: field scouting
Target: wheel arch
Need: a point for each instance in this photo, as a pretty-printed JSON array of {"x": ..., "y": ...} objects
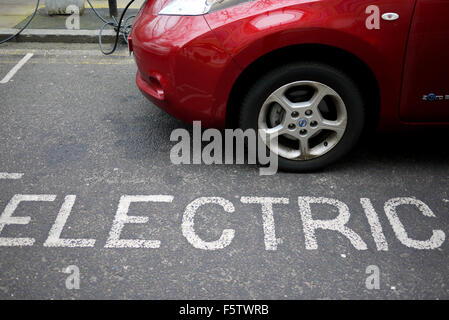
[{"x": 349, "y": 63}]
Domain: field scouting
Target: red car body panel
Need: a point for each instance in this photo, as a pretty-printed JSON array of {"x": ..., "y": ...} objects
[
  {"x": 188, "y": 65},
  {"x": 426, "y": 68}
]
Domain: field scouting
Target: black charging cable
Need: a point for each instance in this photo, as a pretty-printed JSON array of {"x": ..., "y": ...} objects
[
  {"x": 121, "y": 27},
  {"x": 24, "y": 27}
]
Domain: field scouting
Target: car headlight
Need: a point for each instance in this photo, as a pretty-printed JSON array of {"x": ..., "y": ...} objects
[
  {"x": 196, "y": 7},
  {"x": 187, "y": 7}
]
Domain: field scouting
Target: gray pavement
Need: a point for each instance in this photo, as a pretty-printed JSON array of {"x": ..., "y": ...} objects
[
  {"x": 88, "y": 21},
  {"x": 74, "y": 123},
  {"x": 14, "y": 14}
]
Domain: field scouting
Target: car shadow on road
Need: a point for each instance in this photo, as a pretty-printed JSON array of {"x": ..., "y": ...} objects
[
  {"x": 146, "y": 134},
  {"x": 423, "y": 147}
]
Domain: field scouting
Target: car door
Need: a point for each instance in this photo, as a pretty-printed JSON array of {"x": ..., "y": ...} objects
[{"x": 425, "y": 89}]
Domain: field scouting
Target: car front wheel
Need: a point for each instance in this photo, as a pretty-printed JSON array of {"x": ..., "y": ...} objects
[{"x": 309, "y": 114}]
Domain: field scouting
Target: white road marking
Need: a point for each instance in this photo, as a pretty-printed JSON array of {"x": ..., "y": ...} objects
[
  {"x": 305, "y": 204},
  {"x": 271, "y": 242},
  {"x": 338, "y": 224},
  {"x": 434, "y": 242},
  {"x": 6, "y": 217},
  {"x": 16, "y": 68},
  {"x": 188, "y": 222},
  {"x": 58, "y": 52},
  {"x": 122, "y": 218},
  {"x": 54, "y": 239},
  {"x": 376, "y": 227},
  {"x": 11, "y": 176}
]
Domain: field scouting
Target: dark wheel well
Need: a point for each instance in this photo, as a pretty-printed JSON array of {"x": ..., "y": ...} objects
[{"x": 343, "y": 60}]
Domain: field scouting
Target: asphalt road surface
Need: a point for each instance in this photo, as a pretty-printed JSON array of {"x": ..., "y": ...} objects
[{"x": 77, "y": 140}]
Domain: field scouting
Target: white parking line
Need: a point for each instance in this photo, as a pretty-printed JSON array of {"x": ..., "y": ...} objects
[
  {"x": 16, "y": 68},
  {"x": 11, "y": 176}
]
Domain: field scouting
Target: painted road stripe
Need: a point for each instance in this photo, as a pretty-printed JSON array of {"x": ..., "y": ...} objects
[
  {"x": 73, "y": 61},
  {"x": 11, "y": 176},
  {"x": 16, "y": 68},
  {"x": 61, "y": 52}
]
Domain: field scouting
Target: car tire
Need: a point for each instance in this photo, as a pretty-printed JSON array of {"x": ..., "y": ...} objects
[{"x": 312, "y": 79}]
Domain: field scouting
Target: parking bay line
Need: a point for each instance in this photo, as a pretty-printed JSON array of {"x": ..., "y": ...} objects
[
  {"x": 60, "y": 52},
  {"x": 16, "y": 68},
  {"x": 67, "y": 61},
  {"x": 11, "y": 176}
]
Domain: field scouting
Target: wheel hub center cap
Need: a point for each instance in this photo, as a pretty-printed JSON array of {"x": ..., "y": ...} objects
[{"x": 302, "y": 122}]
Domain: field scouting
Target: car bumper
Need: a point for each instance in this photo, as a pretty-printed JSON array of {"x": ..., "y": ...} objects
[{"x": 182, "y": 67}]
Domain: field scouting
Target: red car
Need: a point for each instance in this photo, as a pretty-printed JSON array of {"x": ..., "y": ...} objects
[{"x": 314, "y": 73}]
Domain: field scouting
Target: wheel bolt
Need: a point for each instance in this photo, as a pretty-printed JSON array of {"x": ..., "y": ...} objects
[
  {"x": 291, "y": 126},
  {"x": 303, "y": 132},
  {"x": 309, "y": 112},
  {"x": 313, "y": 124},
  {"x": 295, "y": 114}
]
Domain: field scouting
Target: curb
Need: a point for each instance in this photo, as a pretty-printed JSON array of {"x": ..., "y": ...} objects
[{"x": 59, "y": 35}]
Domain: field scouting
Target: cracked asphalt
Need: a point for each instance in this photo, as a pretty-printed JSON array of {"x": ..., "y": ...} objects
[{"x": 74, "y": 123}]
